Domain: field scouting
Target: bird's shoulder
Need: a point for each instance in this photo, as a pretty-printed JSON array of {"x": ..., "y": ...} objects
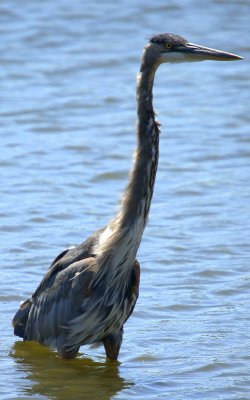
[{"x": 69, "y": 263}]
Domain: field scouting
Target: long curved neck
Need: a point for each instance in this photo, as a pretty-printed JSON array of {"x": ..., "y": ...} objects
[
  {"x": 122, "y": 237},
  {"x": 137, "y": 197}
]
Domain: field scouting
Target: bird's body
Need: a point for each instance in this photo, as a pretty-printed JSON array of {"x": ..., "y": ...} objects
[
  {"x": 90, "y": 291},
  {"x": 77, "y": 289}
]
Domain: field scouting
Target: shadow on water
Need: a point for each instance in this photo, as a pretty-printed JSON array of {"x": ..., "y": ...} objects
[{"x": 51, "y": 376}]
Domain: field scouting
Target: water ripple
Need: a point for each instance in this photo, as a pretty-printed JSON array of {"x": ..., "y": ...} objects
[{"x": 67, "y": 107}]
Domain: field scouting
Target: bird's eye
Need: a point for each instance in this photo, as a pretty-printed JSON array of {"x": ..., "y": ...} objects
[{"x": 168, "y": 45}]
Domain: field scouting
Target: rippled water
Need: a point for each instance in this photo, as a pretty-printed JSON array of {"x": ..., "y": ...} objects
[{"x": 67, "y": 134}]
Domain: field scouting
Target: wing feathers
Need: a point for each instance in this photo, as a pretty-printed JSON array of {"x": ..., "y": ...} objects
[{"x": 56, "y": 306}]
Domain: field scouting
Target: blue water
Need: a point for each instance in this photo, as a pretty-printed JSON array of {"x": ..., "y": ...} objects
[{"x": 67, "y": 118}]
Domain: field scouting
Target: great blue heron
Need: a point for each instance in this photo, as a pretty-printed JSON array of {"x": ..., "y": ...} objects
[{"x": 90, "y": 291}]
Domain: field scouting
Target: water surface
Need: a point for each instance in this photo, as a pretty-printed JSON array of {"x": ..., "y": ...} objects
[{"x": 67, "y": 108}]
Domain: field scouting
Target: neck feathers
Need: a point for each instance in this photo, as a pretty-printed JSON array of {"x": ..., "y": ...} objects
[
  {"x": 137, "y": 197},
  {"x": 124, "y": 233}
]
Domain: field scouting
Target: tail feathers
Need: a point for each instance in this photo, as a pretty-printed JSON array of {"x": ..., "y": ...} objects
[{"x": 20, "y": 319}]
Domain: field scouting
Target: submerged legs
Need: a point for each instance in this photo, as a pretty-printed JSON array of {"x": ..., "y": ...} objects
[{"x": 112, "y": 344}]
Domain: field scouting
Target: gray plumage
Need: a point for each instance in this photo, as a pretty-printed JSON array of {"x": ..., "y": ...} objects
[{"x": 90, "y": 291}]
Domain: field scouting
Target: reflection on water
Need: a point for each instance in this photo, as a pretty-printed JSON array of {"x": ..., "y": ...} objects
[{"x": 51, "y": 376}]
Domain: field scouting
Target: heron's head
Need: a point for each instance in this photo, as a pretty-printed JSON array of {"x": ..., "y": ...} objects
[{"x": 168, "y": 47}]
